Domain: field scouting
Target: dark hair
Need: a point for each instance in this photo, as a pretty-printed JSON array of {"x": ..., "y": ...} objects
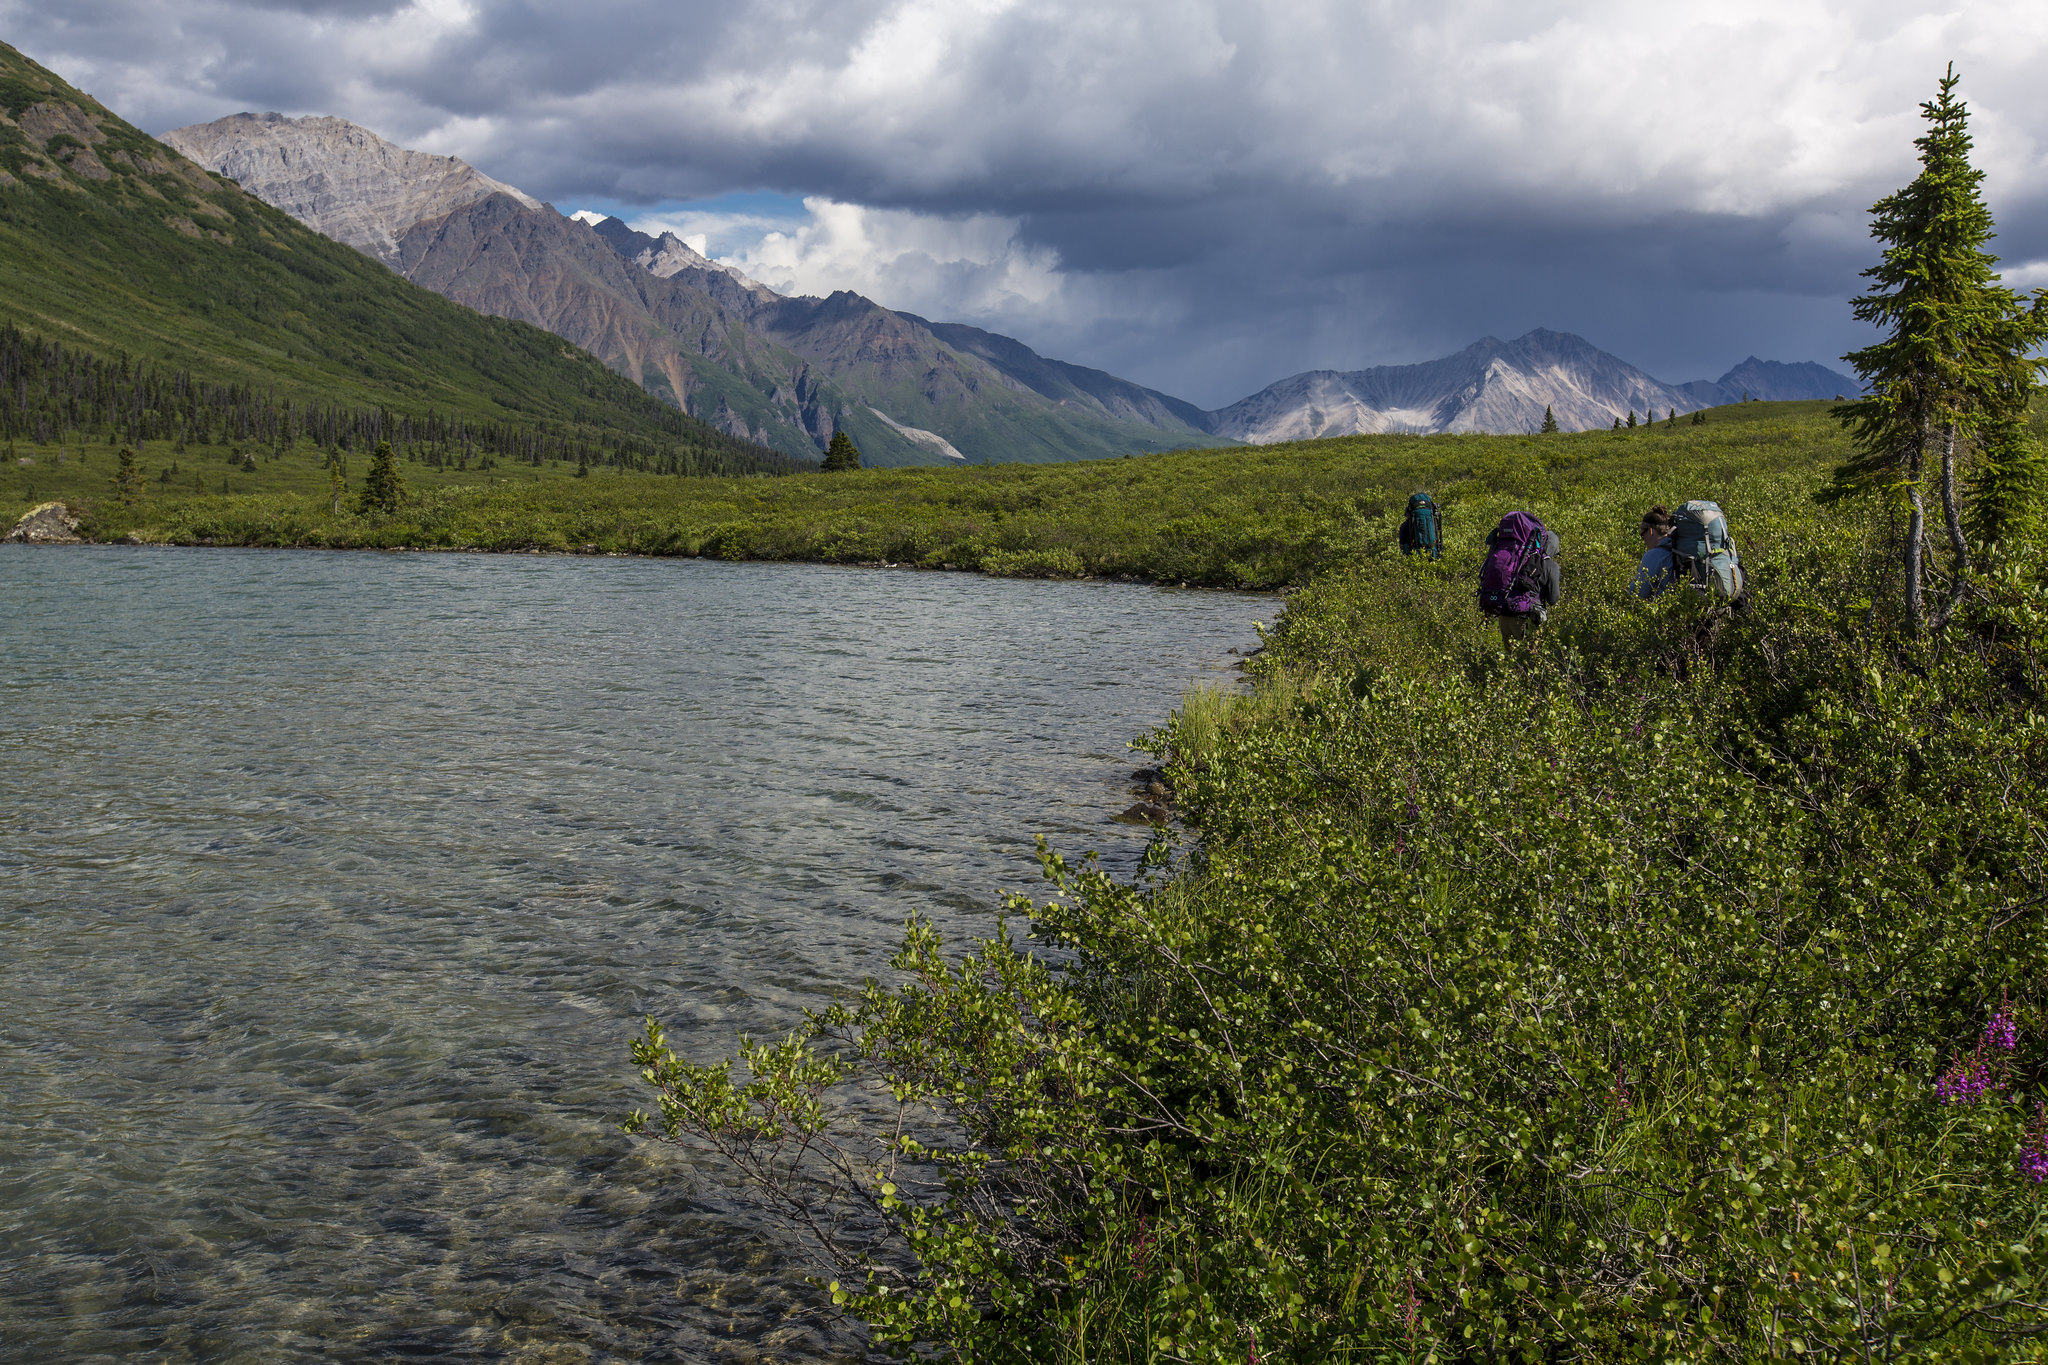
[{"x": 1658, "y": 517}]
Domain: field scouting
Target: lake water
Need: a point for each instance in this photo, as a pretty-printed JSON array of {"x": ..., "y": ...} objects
[{"x": 333, "y": 887}]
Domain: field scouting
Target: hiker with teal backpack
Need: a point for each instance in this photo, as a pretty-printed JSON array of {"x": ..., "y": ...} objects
[
  {"x": 1690, "y": 548},
  {"x": 1422, "y": 530},
  {"x": 1520, "y": 580}
]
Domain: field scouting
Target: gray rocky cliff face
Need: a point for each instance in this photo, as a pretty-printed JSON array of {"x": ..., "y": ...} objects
[{"x": 337, "y": 178}]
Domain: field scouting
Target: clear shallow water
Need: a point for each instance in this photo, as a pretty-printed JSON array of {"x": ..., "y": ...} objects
[{"x": 333, "y": 886}]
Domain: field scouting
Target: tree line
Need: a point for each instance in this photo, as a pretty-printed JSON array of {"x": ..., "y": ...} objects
[{"x": 50, "y": 392}]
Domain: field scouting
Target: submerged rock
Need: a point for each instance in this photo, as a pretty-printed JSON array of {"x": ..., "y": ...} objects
[
  {"x": 1144, "y": 813},
  {"x": 51, "y": 523}
]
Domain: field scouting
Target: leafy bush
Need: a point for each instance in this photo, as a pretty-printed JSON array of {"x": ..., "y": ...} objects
[
  {"x": 1672, "y": 988},
  {"x": 1061, "y": 563}
]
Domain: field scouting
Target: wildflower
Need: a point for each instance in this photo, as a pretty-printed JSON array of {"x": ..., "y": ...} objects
[
  {"x": 2034, "y": 1150},
  {"x": 1965, "y": 1082},
  {"x": 2001, "y": 1033}
]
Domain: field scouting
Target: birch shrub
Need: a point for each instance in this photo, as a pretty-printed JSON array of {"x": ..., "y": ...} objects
[{"x": 1669, "y": 988}]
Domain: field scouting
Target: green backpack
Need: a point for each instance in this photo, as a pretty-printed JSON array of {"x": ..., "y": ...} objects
[
  {"x": 1422, "y": 533},
  {"x": 1703, "y": 554}
]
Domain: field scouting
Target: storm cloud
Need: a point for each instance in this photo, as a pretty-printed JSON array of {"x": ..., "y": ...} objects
[{"x": 1201, "y": 196}]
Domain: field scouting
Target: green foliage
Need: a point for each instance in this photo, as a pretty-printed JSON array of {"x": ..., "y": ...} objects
[
  {"x": 2007, "y": 486},
  {"x": 127, "y": 478},
  {"x": 1585, "y": 1006},
  {"x": 383, "y": 489},
  {"x": 1954, "y": 361},
  {"x": 840, "y": 455}
]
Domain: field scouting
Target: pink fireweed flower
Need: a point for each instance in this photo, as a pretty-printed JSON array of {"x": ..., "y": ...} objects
[
  {"x": 1966, "y": 1082},
  {"x": 2034, "y": 1150},
  {"x": 2001, "y": 1033}
]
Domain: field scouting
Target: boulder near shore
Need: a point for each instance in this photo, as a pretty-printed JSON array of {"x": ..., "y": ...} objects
[{"x": 49, "y": 523}]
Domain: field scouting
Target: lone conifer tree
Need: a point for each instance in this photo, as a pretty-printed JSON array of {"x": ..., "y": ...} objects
[
  {"x": 1952, "y": 366},
  {"x": 841, "y": 454},
  {"x": 1631, "y": 419},
  {"x": 337, "y": 477},
  {"x": 1549, "y": 419},
  {"x": 127, "y": 478},
  {"x": 1617, "y": 424},
  {"x": 383, "y": 490}
]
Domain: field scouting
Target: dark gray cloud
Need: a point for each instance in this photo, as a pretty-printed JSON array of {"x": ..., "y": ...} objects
[{"x": 1200, "y": 194}]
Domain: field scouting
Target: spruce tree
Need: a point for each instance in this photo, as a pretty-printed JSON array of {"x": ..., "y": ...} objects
[
  {"x": 1952, "y": 366},
  {"x": 127, "y": 478},
  {"x": 1617, "y": 424},
  {"x": 2006, "y": 490},
  {"x": 1631, "y": 419},
  {"x": 383, "y": 490},
  {"x": 337, "y": 477},
  {"x": 1549, "y": 420},
  {"x": 841, "y": 454}
]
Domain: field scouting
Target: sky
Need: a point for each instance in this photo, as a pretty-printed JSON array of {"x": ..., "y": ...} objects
[{"x": 1204, "y": 197}]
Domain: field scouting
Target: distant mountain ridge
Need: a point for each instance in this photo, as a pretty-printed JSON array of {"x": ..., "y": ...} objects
[
  {"x": 786, "y": 372},
  {"x": 1501, "y": 386},
  {"x": 1774, "y": 381}
]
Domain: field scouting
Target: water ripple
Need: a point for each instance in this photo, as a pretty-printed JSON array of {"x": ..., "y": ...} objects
[{"x": 333, "y": 886}]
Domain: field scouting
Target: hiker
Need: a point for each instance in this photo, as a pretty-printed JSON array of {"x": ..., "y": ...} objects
[
  {"x": 1657, "y": 572},
  {"x": 1520, "y": 580},
  {"x": 1690, "y": 547},
  {"x": 1422, "y": 529}
]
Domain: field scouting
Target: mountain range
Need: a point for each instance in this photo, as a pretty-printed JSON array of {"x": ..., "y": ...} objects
[
  {"x": 1502, "y": 386},
  {"x": 787, "y": 372},
  {"x": 117, "y": 251}
]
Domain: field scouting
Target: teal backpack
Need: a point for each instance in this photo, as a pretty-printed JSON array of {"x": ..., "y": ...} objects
[
  {"x": 1703, "y": 555},
  {"x": 1422, "y": 532}
]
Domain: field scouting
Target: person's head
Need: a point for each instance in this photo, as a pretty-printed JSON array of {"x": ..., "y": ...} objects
[{"x": 1656, "y": 525}]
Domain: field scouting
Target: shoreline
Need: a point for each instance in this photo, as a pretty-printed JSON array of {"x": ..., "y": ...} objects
[{"x": 133, "y": 542}]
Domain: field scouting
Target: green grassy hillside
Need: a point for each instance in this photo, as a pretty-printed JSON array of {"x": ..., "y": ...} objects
[
  {"x": 1250, "y": 517},
  {"x": 113, "y": 244}
]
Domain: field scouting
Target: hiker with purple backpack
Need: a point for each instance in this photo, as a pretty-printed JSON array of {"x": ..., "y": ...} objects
[{"x": 1520, "y": 581}]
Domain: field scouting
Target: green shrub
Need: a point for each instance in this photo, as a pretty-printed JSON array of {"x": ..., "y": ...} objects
[
  {"x": 1643, "y": 996},
  {"x": 1059, "y": 563}
]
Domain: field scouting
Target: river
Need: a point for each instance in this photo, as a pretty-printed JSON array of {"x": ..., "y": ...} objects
[{"x": 333, "y": 887}]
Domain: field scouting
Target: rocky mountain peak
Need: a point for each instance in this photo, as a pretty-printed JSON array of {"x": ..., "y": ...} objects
[
  {"x": 663, "y": 257},
  {"x": 336, "y": 177}
]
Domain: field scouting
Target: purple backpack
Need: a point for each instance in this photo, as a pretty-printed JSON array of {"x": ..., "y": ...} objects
[{"x": 1510, "y": 582}]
